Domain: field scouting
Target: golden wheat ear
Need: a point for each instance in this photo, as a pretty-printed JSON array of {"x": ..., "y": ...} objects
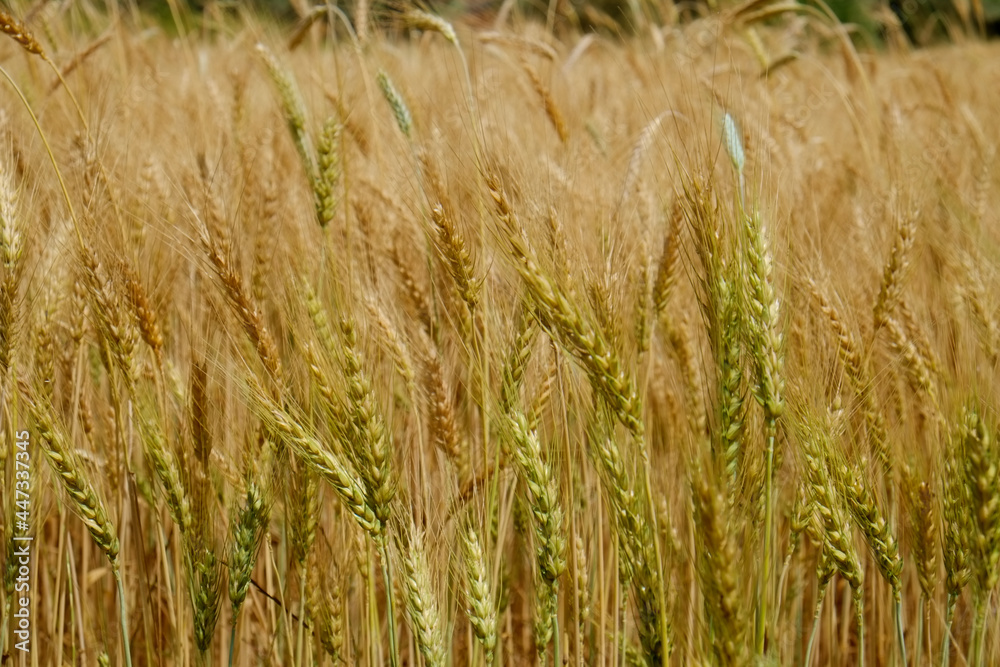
[
  {"x": 17, "y": 31},
  {"x": 11, "y": 251}
]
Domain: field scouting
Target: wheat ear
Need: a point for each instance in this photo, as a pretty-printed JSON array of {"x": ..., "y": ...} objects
[
  {"x": 241, "y": 300},
  {"x": 164, "y": 463},
  {"x": 982, "y": 470},
  {"x": 421, "y": 602},
  {"x": 400, "y": 111},
  {"x": 480, "y": 606},
  {"x": 982, "y": 462},
  {"x": 849, "y": 353},
  {"x": 895, "y": 270},
  {"x": 367, "y": 436},
  {"x": 85, "y": 501},
  {"x": 293, "y": 108},
  {"x": 828, "y": 506},
  {"x": 17, "y": 31},
  {"x": 721, "y": 311},
  {"x": 452, "y": 249},
  {"x": 667, "y": 269},
  {"x": 547, "y": 514},
  {"x": 248, "y": 526},
  {"x": 637, "y": 564},
  {"x": 551, "y": 108},
  {"x": 11, "y": 249},
  {"x": 328, "y": 618},
  {"x": 330, "y": 170},
  {"x": 957, "y": 530},
  {"x": 762, "y": 317},
  {"x": 319, "y": 457},
  {"x": 717, "y": 568},
  {"x": 881, "y": 542},
  {"x": 558, "y": 314},
  {"x": 923, "y": 518}
]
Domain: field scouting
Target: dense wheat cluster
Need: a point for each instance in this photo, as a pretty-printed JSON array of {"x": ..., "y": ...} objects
[{"x": 457, "y": 345}]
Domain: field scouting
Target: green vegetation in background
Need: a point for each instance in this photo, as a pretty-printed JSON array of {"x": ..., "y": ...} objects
[{"x": 923, "y": 21}]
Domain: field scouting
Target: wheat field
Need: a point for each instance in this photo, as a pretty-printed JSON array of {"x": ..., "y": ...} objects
[{"x": 389, "y": 340}]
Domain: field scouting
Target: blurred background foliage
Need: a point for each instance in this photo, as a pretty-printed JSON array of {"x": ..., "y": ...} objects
[{"x": 872, "y": 22}]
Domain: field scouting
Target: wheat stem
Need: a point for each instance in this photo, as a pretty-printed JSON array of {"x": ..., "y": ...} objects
[
  {"x": 899, "y": 631},
  {"x": 764, "y": 590},
  {"x": 48, "y": 149},
  {"x": 123, "y": 613},
  {"x": 383, "y": 551},
  {"x": 949, "y": 617},
  {"x": 232, "y": 644},
  {"x": 815, "y": 626}
]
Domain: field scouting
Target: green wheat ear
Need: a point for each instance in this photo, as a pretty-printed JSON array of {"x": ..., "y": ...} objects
[
  {"x": 733, "y": 140},
  {"x": 293, "y": 108},
  {"x": 396, "y": 103}
]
